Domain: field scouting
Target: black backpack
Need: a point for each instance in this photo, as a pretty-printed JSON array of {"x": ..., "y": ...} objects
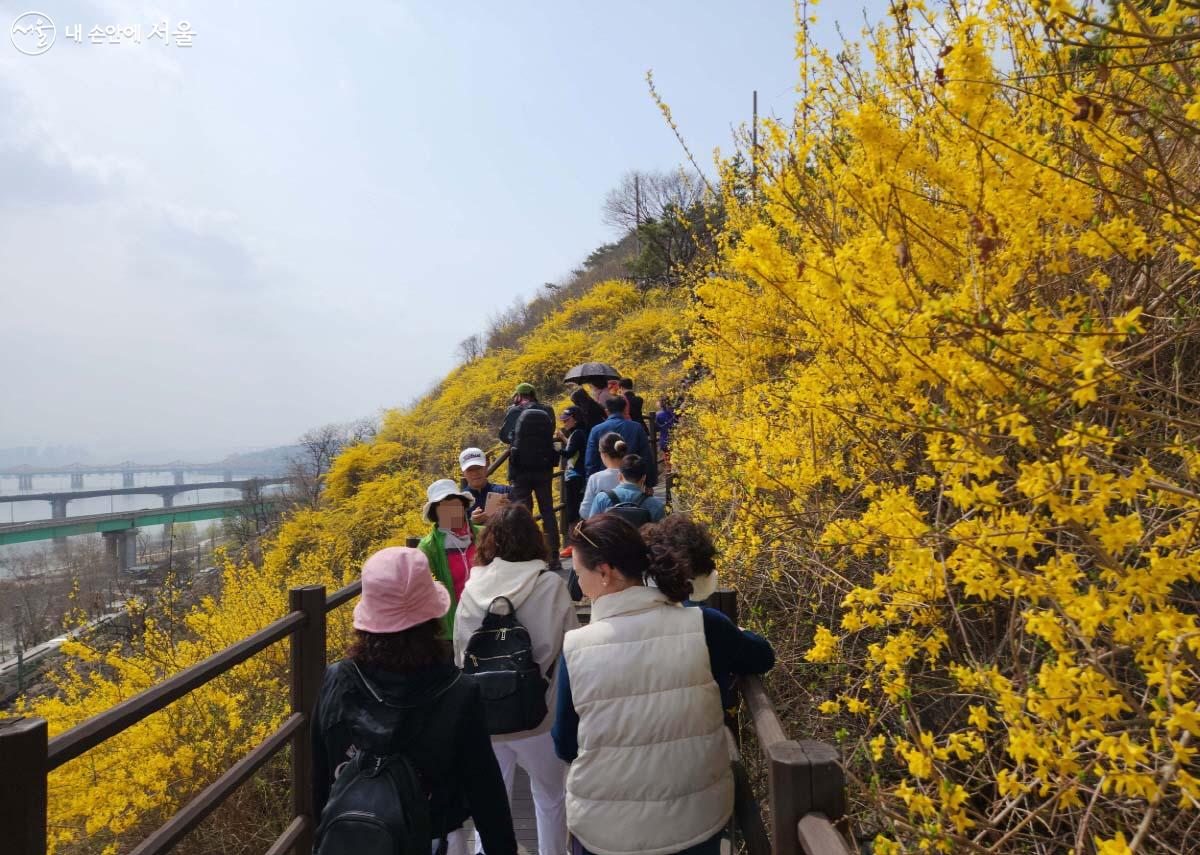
[
  {"x": 499, "y": 656},
  {"x": 533, "y": 440},
  {"x": 378, "y": 805},
  {"x": 631, "y": 512}
]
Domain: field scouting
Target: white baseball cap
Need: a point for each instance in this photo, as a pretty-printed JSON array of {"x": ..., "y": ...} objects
[{"x": 471, "y": 457}]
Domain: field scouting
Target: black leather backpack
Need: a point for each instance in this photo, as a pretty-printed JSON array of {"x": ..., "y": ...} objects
[{"x": 499, "y": 656}]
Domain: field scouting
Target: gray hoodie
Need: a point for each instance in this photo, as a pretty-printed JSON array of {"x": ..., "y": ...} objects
[{"x": 543, "y": 606}]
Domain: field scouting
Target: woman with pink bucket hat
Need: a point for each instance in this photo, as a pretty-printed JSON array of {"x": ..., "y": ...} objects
[{"x": 397, "y": 694}]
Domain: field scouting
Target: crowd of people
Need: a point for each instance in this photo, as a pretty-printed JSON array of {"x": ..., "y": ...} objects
[{"x": 468, "y": 658}]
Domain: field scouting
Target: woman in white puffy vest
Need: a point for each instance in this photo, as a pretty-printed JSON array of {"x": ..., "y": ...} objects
[{"x": 639, "y": 713}]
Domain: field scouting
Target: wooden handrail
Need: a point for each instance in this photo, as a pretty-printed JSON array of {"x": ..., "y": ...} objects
[
  {"x": 98, "y": 728},
  {"x": 210, "y": 798},
  {"x": 27, "y": 757},
  {"x": 747, "y": 818},
  {"x": 286, "y": 841},
  {"x": 806, "y": 784},
  {"x": 767, "y": 726},
  {"x": 818, "y": 836},
  {"x": 499, "y": 459},
  {"x": 343, "y": 595}
]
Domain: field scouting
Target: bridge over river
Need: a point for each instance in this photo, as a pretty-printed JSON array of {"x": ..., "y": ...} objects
[
  {"x": 58, "y": 500},
  {"x": 123, "y": 513},
  {"x": 128, "y": 469},
  {"x": 120, "y": 529}
]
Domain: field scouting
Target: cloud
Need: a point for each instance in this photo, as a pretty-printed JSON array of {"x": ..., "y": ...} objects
[
  {"x": 32, "y": 178},
  {"x": 190, "y": 248},
  {"x": 36, "y": 170}
]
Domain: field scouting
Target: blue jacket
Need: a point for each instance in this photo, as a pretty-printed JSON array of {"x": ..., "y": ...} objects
[
  {"x": 629, "y": 493},
  {"x": 635, "y": 437}
]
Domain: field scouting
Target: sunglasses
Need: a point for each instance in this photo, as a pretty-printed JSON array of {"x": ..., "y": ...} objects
[{"x": 579, "y": 531}]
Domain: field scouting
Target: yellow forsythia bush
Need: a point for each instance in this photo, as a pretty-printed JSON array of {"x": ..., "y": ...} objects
[
  {"x": 949, "y": 416},
  {"x": 108, "y": 799}
]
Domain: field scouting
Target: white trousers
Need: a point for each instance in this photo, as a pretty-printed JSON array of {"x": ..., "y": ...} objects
[
  {"x": 456, "y": 843},
  {"x": 547, "y": 781}
]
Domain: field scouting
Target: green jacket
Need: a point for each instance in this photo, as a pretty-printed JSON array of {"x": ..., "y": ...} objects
[{"x": 434, "y": 547}]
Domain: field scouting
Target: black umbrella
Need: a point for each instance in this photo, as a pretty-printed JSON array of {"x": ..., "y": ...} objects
[{"x": 592, "y": 372}]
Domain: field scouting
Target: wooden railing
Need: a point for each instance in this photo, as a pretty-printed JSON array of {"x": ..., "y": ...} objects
[
  {"x": 806, "y": 785},
  {"x": 27, "y": 757},
  {"x": 805, "y": 782}
]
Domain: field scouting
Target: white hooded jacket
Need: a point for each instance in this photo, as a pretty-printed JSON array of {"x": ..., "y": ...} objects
[{"x": 543, "y": 606}]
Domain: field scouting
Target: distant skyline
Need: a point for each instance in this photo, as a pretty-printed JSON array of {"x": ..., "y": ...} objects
[{"x": 295, "y": 220}]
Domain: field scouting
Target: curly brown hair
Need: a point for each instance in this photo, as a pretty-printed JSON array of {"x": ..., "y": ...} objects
[
  {"x": 511, "y": 534},
  {"x": 416, "y": 647},
  {"x": 612, "y": 540},
  {"x": 687, "y": 537}
]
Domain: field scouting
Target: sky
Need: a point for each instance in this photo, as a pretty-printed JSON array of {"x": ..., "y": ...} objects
[{"x": 296, "y": 219}]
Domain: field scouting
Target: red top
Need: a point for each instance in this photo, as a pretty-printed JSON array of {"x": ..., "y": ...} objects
[{"x": 459, "y": 562}]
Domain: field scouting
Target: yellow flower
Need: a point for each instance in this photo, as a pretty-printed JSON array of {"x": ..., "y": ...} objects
[{"x": 1112, "y": 846}]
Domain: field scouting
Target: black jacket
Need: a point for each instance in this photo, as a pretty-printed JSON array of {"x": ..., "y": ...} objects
[
  {"x": 507, "y": 435},
  {"x": 576, "y": 446},
  {"x": 592, "y": 411},
  {"x": 636, "y": 405},
  {"x": 435, "y": 716}
]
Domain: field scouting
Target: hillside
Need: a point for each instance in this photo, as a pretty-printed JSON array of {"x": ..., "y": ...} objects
[
  {"x": 372, "y": 499},
  {"x": 944, "y": 422}
]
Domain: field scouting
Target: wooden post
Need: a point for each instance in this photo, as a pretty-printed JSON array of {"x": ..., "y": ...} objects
[
  {"x": 23, "y": 785},
  {"x": 725, "y": 601},
  {"x": 563, "y": 534},
  {"x": 308, "y": 671},
  {"x": 828, "y": 780},
  {"x": 790, "y": 790},
  {"x": 805, "y": 778}
]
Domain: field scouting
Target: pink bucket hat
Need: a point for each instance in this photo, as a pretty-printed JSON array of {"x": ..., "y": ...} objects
[{"x": 398, "y": 592}]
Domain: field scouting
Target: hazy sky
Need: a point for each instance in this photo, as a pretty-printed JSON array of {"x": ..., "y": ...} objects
[{"x": 296, "y": 219}]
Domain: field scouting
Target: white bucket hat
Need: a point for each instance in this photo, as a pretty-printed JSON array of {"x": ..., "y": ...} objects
[{"x": 439, "y": 490}]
